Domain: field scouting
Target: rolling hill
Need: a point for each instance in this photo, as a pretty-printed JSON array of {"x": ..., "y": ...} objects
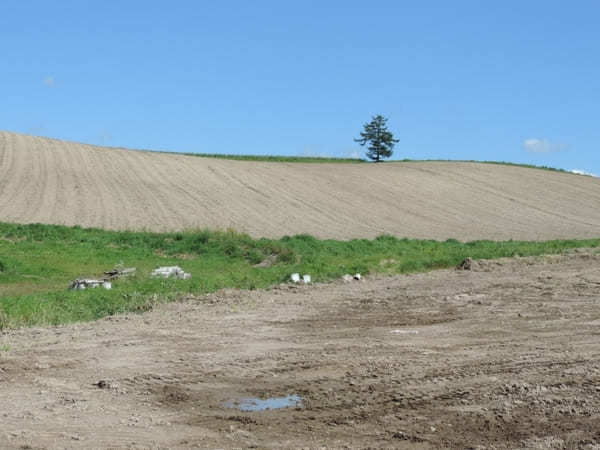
[{"x": 52, "y": 181}]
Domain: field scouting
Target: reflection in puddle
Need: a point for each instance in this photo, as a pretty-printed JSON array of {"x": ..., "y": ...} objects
[{"x": 257, "y": 404}]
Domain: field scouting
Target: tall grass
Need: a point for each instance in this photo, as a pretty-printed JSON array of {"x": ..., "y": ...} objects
[
  {"x": 275, "y": 158},
  {"x": 37, "y": 263},
  {"x": 500, "y": 163}
]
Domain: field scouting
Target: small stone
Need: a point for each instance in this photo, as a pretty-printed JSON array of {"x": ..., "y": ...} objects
[
  {"x": 105, "y": 384},
  {"x": 466, "y": 264},
  {"x": 171, "y": 271}
]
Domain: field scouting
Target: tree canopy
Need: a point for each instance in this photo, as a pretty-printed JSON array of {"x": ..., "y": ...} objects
[{"x": 381, "y": 141}]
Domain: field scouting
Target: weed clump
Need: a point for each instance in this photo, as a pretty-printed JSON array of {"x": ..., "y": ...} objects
[{"x": 4, "y": 319}]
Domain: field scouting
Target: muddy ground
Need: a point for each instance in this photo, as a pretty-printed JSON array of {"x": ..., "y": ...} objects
[{"x": 506, "y": 355}]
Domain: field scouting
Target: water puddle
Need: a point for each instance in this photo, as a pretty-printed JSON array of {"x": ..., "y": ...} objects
[{"x": 257, "y": 404}]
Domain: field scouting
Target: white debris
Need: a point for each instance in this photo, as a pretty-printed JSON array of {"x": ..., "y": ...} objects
[
  {"x": 296, "y": 278},
  {"x": 81, "y": 285},
  {"x": 171, "y": 271},
  {"x": 120, "y": 272},
  {"x": 404, "y": 331},
  {"x": 348, "y": 278}
]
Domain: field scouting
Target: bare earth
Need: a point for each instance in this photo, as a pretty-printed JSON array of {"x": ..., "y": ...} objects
[
  {"x": 504, "y": 356},
  {"x": 50, "y": 181}
]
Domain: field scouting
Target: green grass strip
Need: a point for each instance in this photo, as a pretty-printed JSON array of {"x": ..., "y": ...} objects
[
  {"x": 37, "y": 263},
  {"x": 324, "y": 159},
  {"x": 500, "y": 163},
  {"x": 271, "y": 158}
]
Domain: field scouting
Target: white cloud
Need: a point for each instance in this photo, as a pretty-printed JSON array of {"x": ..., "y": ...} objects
[
  {"x": 309, "y": 152},
  {"x": 354, "y": 154},
  {"x": 583, "y": 172},
  {"x": 343, "y": 153},
  {"x": 49, "y": 81},
  {"x": 535, "y": 145}
]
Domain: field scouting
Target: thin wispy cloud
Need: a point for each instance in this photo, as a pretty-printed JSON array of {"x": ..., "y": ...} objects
[
  {"x": 354, "y": 154},
  {"x": 310, "y": 152},
  {"x": 49, "y": 82},
  {"x": 583, "y": 172},
  {"x": 348, "y": 153},
  {"x": 535, "y": 145}
]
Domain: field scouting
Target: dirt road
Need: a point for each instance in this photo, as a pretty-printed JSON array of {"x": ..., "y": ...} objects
[
  {"x": 504, "y": 356},
  {"x": 50, "y": 181}
]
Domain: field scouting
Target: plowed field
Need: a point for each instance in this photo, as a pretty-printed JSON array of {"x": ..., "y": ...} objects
[{"x": 50, "y": 181}]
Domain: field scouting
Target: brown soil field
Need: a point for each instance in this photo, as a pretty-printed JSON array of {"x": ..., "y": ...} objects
[
  {"x": 50, "y": 181},
  {"x": 504, "y": 356}
]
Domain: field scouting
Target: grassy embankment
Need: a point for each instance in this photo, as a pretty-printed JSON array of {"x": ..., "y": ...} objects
[
  {"x": 274, "y": 158},
  {"x": 500, "y": 163},
  {"x": 324, "y": 159},
  {"x": 37, "y": 263}
]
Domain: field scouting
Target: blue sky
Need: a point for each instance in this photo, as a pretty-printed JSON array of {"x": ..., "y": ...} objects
[{"x": 512, "y": 80}]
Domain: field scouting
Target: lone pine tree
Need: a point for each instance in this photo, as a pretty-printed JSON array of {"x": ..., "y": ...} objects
[{"x": 381, "y": 140}]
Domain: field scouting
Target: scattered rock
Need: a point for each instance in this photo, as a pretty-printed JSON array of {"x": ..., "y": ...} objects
[
  {"x": 171, "y": 272},
  {"x": 466, "y": 264},
  {"x": 106, "y": 384},
  {"x": 348, "y": 278},
  {"x": 83, "y": 284},
  {"x": 118, "y": 273}
]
